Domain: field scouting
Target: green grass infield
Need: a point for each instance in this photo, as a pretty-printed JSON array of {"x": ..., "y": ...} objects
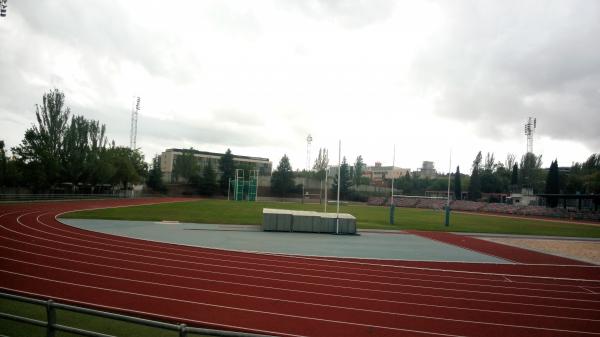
[{"x": 368, "y": 217}]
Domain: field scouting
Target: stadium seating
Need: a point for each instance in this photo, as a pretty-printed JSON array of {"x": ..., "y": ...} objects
[
  {"x": 376, "y": 201},
  {"x": 500, "y": 208},
  {"x": 405, "y": 202},
  {"x": 431, "y": 203},
  {"x": 465, "y": 205}
]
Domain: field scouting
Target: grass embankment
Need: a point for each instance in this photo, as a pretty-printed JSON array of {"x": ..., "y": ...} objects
[{"x": 368, "y": 217}]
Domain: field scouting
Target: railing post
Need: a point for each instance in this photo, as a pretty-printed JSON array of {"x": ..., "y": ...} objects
[
  {"x": 182, "y": 330},
  {"x": 51, "y": 316}
]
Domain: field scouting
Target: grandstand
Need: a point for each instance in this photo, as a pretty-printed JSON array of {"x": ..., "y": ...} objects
[
  {"x": 376, "y": 201},
  {"x": 484, "y": 207}
]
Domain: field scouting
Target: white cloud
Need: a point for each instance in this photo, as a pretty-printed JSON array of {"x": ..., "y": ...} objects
[{"x": 259, "y": 76}]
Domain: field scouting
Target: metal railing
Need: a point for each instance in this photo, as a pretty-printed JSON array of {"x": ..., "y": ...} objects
[
  {"x": 59, "y": 196},
  {"x": 52, "y": 326}
]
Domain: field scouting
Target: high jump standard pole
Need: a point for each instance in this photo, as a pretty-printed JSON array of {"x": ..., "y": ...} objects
[{"x": 337, "y": 218}]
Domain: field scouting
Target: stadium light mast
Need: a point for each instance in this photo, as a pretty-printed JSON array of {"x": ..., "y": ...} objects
[
  {"x": 3, "y": 6},
  {"x": 529, "y": 131},
  {"x": 309, "y": 140},
  {"x": 135, "y": 109}
]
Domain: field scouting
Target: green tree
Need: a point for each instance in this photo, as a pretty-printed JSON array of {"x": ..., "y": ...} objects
[
  {"x": 2, "y": 164},
  {"x": 40, "y": 150},
  {"x": 359, "y": 166},
  {"x": 282, "y": 179},
  {"x": 186, "y": 166},
  {"x": 154, "y": 180},
  {"x": 345, "y": 181},
  {"x": 127, "y": 166},
  {"x": 227, "y": 170},
  {"x": 94, "y": 166},
  {"x": 75, "y": 151},
  {"x": 514, "y": 178},
  {"x": 475, "y": 183},
  {"x": 208, "y": 183},
  {"x": 457, "y": 185},
  {"x": 531, "y": 174},
  {"x": 553, "y": 184}
]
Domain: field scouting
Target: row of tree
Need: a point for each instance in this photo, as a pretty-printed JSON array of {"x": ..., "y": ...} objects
[
  {"x": 68, "y": 152},
  {"x": 282, "y": 179},
  {"x": 496, "y": 177}
]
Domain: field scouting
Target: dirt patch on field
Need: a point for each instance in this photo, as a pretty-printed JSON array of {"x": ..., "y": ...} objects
[{"x": 580, "y": 250}]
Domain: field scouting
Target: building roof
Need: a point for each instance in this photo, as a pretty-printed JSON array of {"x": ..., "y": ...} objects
[{"x": 219, "y": 154}]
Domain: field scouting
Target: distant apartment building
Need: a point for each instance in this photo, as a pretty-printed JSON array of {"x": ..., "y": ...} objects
[
  {"x": 427, "y": 170},
  {"x": 377, "y": 174},
  {"x": 167, "y": 160}
]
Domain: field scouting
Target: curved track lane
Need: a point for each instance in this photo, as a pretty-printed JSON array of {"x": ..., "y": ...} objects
[{"x": 288, "y": 295}]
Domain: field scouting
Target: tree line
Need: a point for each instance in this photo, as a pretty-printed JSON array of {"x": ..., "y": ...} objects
[
  {"x": 282, "y": 179},
  {"x": 67, "y": 152}
]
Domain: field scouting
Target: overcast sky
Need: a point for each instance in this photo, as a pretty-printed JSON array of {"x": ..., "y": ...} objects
[{"x": 259, "y": 76}]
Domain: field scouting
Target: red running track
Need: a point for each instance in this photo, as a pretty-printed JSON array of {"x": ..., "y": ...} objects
[
  {"x": 288, "y": 295},
  {"x": 515, "y": 254}
]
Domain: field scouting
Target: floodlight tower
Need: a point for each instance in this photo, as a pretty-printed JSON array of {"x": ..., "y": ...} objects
[
  {"x": 529, "y": 131},
  {"x": 308, "y": 142},
  {"x": 135, "y": 109},
  {"x": 3, "y": 5}
]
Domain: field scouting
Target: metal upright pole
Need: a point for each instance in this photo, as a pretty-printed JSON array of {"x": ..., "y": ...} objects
[
  {"x": 326, "y": 187},
  {"x": 392, "y": 207},
  {"x": 337, "y": 223},
  {"x": 447, "y": 222}
]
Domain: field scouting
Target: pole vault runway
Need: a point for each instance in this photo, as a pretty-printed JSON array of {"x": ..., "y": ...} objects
[{"x": 290, "y": 295}]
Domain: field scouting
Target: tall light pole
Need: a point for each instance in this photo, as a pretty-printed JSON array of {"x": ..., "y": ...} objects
[
  {"x": 308, "y": 141},
  {"x": 447, "y": 222},
  {"x": 134, "y": 119}
]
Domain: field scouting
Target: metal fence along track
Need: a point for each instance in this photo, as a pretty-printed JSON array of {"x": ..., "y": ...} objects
[{"x": 52, "y": 326}]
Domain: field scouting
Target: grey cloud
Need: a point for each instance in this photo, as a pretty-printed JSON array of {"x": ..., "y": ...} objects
[
  {"x": 497, "y": 63},
  {"x": 102, "y": 28},
  {"x": 180, "y": 131},
  {"x": 348, "y": 13}
]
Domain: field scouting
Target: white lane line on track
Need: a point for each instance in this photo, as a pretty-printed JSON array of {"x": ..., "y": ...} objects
[
  {"x": 146, "y": 313},
  {"x": 221, "y": 307},
  {"x": 334, "y": 257},
  {"x": 262, "y": 256},
  {"x": 311, "y": 269},
  {"x": 387, "y": 265},
  {"x": 303, "y": 317},
  {"x": 304, "y": 283},
  {"x": 281, "y": 289},
  {"x": 313, "y": 276},
  {"x": 593, "y": 292},
  {"x": 199, "y": 251}
]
